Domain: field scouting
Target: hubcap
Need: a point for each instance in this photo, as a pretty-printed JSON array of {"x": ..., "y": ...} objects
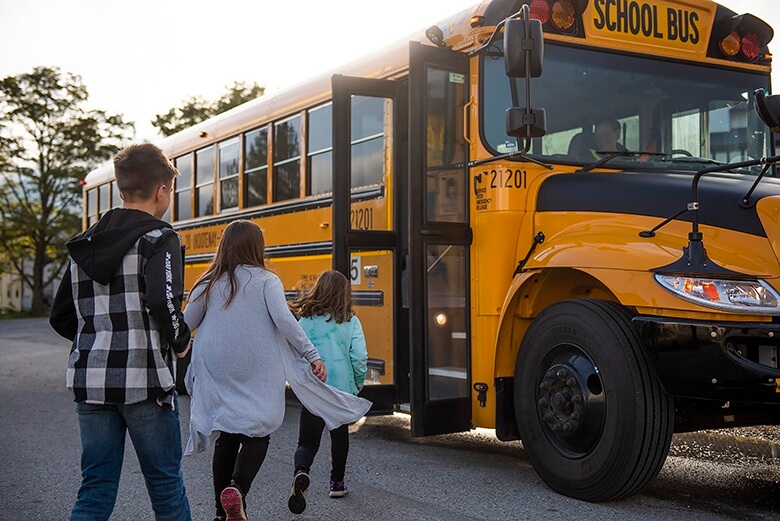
[{"x": 570, "y": 400}]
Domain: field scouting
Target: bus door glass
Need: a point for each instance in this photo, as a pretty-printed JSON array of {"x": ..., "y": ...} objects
[
  {"x": 439, "y": 242},
  {"x": 367, "y": 114}
]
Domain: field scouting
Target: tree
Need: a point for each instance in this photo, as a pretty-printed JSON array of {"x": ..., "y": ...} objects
[
  {"x": 48, "y": 142},
  {"x": 195, "y": 109}
]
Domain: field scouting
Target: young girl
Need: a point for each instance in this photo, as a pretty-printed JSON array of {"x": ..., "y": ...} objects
[
  {"x": 247, "y": 344},
  {"x": 327, "y": 317}
]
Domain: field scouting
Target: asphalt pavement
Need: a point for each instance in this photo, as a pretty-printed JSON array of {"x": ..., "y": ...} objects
[{"x": 465, "y": 476}]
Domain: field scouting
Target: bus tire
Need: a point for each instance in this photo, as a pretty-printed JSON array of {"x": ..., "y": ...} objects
[{"x": 593, "y": 418}]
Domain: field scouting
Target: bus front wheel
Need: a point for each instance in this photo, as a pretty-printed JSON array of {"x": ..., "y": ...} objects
[{"x": 593, "y": 418}]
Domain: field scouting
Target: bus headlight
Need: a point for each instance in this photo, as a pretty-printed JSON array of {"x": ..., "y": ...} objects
[{"x": 744, "y": 296}]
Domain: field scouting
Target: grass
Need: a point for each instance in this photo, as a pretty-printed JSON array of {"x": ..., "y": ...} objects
[{"x": 6, "y": 314}]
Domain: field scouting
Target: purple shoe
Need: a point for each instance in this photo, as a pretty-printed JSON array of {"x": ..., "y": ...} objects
[{"x": 337, "y": 489}]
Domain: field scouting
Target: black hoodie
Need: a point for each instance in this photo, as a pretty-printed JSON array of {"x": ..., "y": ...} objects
[{"x": 100, "y": 251}]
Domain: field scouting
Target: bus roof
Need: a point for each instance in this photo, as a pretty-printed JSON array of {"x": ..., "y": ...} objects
[
  {"x": 392, "y": 61},
  {"x": 388, "y": 62}
]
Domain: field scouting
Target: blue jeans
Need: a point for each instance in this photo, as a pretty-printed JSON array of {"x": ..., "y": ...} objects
[{"x": 156, "y": 436}]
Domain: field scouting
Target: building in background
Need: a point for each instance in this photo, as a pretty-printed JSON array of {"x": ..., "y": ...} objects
[
  {"x": 11, "y": 291},
  {"x": 15, "y": 295}
]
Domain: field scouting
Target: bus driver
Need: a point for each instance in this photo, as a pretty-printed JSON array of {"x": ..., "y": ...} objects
[{"x": 607, "y": 134}]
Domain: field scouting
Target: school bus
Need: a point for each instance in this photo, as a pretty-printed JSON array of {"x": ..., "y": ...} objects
[{"x": 561, "y": 221}]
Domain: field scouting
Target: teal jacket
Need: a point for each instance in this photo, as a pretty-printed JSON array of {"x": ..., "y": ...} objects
[{"x": 342, "y": 348}]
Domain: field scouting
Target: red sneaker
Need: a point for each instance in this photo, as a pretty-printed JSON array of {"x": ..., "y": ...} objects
[{"x": 233, "y": 503}]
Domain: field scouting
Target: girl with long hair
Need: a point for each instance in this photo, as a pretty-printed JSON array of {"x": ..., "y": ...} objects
[
  {"x": 326, "y": 316},
  {"x": 247, "y": 344}
]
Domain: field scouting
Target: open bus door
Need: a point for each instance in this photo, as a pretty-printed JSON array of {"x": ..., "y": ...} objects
[
  {"x": 439, "y": 240},
  {"x": 369, "y": 133}
]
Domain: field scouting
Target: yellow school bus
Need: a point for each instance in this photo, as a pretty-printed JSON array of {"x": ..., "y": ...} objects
[{"x": 561, "y": 221}]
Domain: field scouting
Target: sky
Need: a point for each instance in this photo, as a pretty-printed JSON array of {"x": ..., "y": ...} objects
[{"x": 141, "y": 58}]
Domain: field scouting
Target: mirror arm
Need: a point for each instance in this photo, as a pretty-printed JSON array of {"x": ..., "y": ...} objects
[
  {"x": 513, "y": 90},
  {"x": 494, "y": 35},
  {"x": 747, "y": 200}
]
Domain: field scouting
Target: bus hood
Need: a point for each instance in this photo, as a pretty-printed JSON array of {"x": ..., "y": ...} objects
[
  {"x": 582, "y": 214},
  {"x": 768, "y": 210},
  {"x": 659, "y": 195}
]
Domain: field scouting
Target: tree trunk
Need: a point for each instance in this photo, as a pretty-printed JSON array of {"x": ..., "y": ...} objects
[{"x": 38, "y": 307}]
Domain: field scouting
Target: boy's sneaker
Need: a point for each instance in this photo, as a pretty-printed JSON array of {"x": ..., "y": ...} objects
[
  {"x": 297, "y": 501},
  {"x": 337, "y": 489},
  {"x": 233, "y": 503}
]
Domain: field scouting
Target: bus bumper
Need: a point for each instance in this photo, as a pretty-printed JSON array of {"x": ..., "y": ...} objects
[{"x": 714, "y": 361}]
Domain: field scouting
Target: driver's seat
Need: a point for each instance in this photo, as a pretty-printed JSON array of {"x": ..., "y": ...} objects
[{"x": 581, "y": 145}]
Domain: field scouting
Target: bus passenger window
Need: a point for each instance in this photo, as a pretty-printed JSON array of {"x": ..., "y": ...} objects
[
  {"x": 183, "y": 188},
  {"x": 204, "y": 182},
  {"x": 228, "y": 175},
  {"x": 256, "y": 167},
  {"x": 116, "y": 201},
  {"x": 368, "y": 140},
  {"x": 92, "y": 210},
  {"x": 103, "y": 203},
  {"x": 320, "y": 150},
  {"x": 287, "y": 159}
]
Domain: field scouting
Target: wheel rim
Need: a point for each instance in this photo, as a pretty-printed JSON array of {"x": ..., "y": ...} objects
[{"x": 570, "y": 401}]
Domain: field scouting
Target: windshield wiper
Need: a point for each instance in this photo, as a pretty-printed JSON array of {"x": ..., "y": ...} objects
[
  {"x": 513, "y": 156},
  {"x": 691, "y": 159},
  {"x": 613, "y": 155}
]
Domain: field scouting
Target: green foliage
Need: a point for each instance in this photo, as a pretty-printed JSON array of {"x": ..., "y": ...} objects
[
  {"x": 195, "y": 109},
  {"x": 8, "y": 314},
  {"x": 48, "y": 143}
]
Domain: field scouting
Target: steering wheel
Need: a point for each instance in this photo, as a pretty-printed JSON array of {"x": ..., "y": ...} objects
[{"x": 679, "y": 152}]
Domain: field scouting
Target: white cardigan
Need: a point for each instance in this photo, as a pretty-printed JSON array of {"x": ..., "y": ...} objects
[{"x": 242, "y": 356}]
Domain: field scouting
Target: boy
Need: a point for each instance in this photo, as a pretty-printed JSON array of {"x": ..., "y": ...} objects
[{"x": 120, "y": 304}]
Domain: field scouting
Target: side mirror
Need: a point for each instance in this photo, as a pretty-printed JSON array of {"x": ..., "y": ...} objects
[
  {"x": 518, "y": 42},
  {"x": 525, "y": 124},
  {"x": 768, "y": 109}
]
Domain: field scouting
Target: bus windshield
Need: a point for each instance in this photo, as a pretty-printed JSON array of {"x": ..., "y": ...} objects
[{"x": 678, "y": 115}]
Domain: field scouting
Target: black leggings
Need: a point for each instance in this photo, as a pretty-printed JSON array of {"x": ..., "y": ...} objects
[
  {"x": 309, "y": 436},
  {"x": 237, "y": 459}
]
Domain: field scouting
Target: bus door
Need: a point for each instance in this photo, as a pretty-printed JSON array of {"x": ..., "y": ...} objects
[
  {"x": 369, "y": 167},
  {"x": 439, "y": 239}
]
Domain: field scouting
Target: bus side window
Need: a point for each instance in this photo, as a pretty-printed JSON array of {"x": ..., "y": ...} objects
[
  {"x": 256, "y": 167},
  {"x": 228, "y": 175},
  {"x": 183, "y": 188},
  {"x": 204, "y": 182},
  {"x": 320, "y": 150},
  {"x": 287, "y": 159},
  {"x": 103, "y": 202},
  {"x": 92, "y": 208},
  {"x": 116, "y": 200}
]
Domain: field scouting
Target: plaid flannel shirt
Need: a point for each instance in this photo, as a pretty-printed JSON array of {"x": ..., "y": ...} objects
[{"x": 120, "y": 353}]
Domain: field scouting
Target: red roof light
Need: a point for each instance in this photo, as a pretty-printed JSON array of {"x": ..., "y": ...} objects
[
  {"x": 751, "y": 46},
  {"x": 540, "y": 10}
]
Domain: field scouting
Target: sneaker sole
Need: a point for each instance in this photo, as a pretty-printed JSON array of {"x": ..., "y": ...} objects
[
  {"x": 232, "y": 504},
  {"x": 297, "y": 501},
  {"x": 338, "y": 493}
]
